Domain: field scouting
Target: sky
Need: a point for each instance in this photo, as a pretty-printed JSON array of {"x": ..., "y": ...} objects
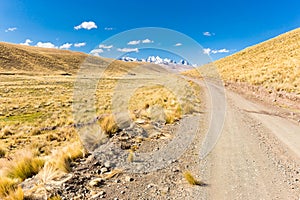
[{"x": 220, "y": 27}]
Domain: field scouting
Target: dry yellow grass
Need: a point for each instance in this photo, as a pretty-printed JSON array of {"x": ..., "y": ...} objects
[
  {"x": 20, "y": 58},
  {"x": 61, "y": 158},
  {"x": 17, "y": 194},
  {"x": 273, "y": 64},
  {"x": 24, "y": 165},
  {"x": 7, "y": 185},
  {"x": 191, "y": 180},
  {"x": 36, "y": 109},
  {"x": 55, "y": 198}
]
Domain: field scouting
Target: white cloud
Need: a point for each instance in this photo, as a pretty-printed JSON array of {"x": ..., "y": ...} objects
[
  {"x": 177, "y": 44},
  {"x": 128, "y": 50},
  {"x": 27, "y": 42},
  {"x": 80, "y": 44},
  {"x": 86, "y": 25},
  {"x": 11, "y": 29},
  {"x": 220, "y": 51},
  {"x": 103, "y": 46},
  {"x": 108, "y": 28},
  {"x": 134, "y": 42},
  {"x": 208, "y": 34},
  {"x": 147, "y": 41},
  {"x": 45, "y": 45},
  {"x": 208, "y": 51},
  {"x": 66, "y": 46},
  {"x": 96, "y": 52}
]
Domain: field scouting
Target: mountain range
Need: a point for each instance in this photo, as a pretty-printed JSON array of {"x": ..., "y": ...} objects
[{"x": 155, "y": 60}]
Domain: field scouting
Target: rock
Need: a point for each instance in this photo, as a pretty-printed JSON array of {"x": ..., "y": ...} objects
[
  {"x": 122, "y": 192},
  {"x": 165, "y": 190},
  {"x": 96, "y": 182},
  {"x": 150, "y": 186},
  {"x": 140, "y": 121},
  {"x": 96, "y": 196},
  {"x": 90, "y": 158},
  {"x": 128, "y": 179},
  {"x": 104, "y": 169},
  {"x": 175, "y": 170},
  {"x": 125, "y": 146},
  {"x": 157, "y": 114},
  {"x": 107, "y": 164}
]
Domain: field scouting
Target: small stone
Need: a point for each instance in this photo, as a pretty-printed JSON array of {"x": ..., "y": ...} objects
[
  {"x": 166, "y": 190},
  {"x": 175, "y": 170},
  {"x": 117, "y": 181},
  {"x": 95, "y": 196},
  {"x": 102, "y": 193},
  {"x": 140, "y": 121},
  {"x": 104, "y": 169},
  {"x": 122, "y": 192},
  {"x": 107, "y": 164},
  {"x": 128, "y": 179}
]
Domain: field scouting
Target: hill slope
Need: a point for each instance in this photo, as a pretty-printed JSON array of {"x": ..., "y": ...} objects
[
  {"x": 274, "y": 64},
  {"x": 27, "y": 59},
  {"x": 15, "y": 57}
]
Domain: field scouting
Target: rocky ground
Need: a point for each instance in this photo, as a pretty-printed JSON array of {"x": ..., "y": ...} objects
[{"x": 256, "y": 157}]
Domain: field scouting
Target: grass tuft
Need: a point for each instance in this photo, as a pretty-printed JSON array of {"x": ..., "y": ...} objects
[
  {"x": 57, "y": 197},
  {"x": 17, "y": 194},
  {"x": 6, "y": 185},
  {"x": 108, "y": 125},
  {"x": 191, "y": 180},
  {"x": 62, "y": 159},
  {"x": 24, "y": 168}
]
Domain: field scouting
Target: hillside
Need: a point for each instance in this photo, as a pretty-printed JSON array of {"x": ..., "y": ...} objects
[
  {"x": 273, "y": 64},
  {"x": 15, "y": 57}
]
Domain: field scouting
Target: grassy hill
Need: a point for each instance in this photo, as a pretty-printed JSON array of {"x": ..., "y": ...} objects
[
  {"x": 273, "y": 64},
  {"x": 15, "y": 57}
]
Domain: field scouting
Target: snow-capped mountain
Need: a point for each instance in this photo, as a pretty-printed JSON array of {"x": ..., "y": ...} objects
[{"x": 155, "y": 60}]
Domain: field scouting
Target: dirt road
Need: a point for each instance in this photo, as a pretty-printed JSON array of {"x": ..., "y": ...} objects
[{"x": 257, "y": 155}]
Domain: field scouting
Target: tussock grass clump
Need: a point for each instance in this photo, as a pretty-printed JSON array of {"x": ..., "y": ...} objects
[
  {"x": 57, "y": 197},
  {"x": 61, "y": 159},
  {"x": 17, "y": 194},
  {"x": 7, "y": 185},
  {"x": 25, "y": 167},
  {"x": 191, "y": 180},
  {"x": 108, "y": 125}
]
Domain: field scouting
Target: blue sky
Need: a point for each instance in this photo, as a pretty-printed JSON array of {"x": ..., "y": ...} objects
[{"x": 221, "y": 27}]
